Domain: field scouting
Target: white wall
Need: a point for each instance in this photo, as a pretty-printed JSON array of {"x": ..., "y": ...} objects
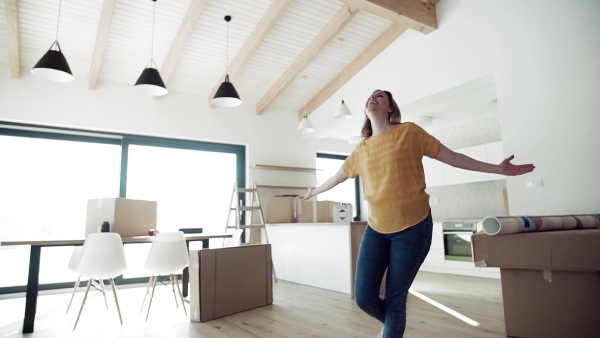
[
  {"x": 544, "y": 57},
  {"x": 543, "y": 54}
]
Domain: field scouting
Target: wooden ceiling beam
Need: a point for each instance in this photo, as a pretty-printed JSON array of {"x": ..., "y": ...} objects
[
  {"x": 353, "y": 68},
  {"x": 105, "y": 20},
  {"x": 252, "y": 43},
  {"x": 332, "y": 28},
  {"x": 415, "y": 14},
  {"x": 183, "y": 35},
  {"x": 12, "y": 30}
]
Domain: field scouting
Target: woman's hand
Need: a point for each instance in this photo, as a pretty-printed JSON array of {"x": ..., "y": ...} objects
[
  {"x": 509, "y": 169},
  {"x": 308, "y": 195}
]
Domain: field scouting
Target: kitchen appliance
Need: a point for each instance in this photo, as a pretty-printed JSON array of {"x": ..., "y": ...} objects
[{"x": 457, "y": 239}]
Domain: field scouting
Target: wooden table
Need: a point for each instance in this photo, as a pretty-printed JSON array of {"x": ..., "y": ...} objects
[{"x": 34, "y": 264}]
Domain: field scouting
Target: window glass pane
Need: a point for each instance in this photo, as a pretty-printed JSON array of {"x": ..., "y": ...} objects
[
  {"x": 343, "y": 192},
  {"x": 44, "y": 188},
  {"x": 192, "y": 189}
]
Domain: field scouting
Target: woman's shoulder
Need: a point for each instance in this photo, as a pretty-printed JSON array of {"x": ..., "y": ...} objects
[{"x": 405, "y": 126}]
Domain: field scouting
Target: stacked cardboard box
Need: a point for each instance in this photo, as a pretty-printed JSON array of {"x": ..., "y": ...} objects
[
  {"x": 281, "y": 209},
  {"x": 316, "y": 211},
  {"x": 550, "y": 281},
  {"x": 342, "y": 213}
]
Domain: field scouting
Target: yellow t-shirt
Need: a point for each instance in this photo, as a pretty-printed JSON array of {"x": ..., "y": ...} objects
[{"x": 391, "y": 169}]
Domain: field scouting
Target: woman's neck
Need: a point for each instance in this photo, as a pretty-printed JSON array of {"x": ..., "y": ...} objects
[{"x": 380, "y": 126}]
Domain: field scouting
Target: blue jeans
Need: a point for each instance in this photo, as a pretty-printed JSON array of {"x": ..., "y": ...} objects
[{"x": 401, "y": 253}]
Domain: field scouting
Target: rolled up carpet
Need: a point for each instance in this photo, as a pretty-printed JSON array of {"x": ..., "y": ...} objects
[{"x": 498, "y": 225}]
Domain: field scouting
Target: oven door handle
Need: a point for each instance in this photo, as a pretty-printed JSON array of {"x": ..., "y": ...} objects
[{"x": 458, "y": 232}]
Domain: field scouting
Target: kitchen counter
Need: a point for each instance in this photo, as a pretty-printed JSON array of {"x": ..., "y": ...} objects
[
  {"x": 316, "y": 254},
  {"x": 324, "y": 254}
]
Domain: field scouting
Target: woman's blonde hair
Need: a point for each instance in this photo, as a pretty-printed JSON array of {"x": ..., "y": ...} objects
[{"x": 393, "y": 116}]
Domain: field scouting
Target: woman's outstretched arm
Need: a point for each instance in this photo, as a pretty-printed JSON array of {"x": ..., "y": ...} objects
[
  {"x": 331, "y": 182},
  {"x": 459, "y": 160}
]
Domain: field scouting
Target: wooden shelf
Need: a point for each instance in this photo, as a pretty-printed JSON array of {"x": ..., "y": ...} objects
[
  {"x": 277, "y": 167},
  {"x": 282, "y": 187}
]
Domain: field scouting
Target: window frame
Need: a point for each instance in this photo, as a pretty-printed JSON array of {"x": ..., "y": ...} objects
[{"x": 357, "y": 194}]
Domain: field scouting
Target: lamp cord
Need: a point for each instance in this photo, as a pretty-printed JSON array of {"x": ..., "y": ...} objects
[
  {"x": 342, "y": 83},
  {"x": 227, "y": 50},
  {"x": 153, "y": 21},
  {"x": 58, "y": 21}
]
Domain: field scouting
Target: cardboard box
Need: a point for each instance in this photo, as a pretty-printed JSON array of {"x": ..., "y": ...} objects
[
  {"x": 316, "y": 211},
  {"x": 342, "y": 213},
  {"x": 225, "y": 281},
  {"x": 127, "y": 217},
  {"x": 281, "y": 209},
  {"x": 550, "y": 281}
]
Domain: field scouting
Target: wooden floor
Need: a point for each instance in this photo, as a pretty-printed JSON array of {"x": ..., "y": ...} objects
[{"x": 297, "y": 311}]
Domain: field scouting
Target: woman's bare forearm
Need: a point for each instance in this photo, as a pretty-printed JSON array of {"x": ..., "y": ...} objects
[{"x": 331, "y": 182}]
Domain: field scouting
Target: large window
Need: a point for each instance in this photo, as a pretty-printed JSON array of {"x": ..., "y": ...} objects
[
  {"x": 47, "y": 176},
  {"x": 347, "y": 192},
  {"x": 192, "y": 189}
]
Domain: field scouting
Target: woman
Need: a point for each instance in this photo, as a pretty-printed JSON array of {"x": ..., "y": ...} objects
[{"x": 398, "y": 237}]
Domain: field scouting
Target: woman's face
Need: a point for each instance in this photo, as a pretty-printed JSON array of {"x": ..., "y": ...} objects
[{"x": 377, "y": 103}]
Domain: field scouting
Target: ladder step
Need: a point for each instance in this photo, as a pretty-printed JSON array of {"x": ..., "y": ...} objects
[
  {"x": 249, "y": 208},
  {"x": 249, "y": 226},
  {"x": 247, "y": 190}
]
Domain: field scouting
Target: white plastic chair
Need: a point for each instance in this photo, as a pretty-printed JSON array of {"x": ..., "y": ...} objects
[
  {"x": 234, "y": 240},
  {"x": 102, "y": 256},
  {"x": 168, "y": 254},
  {"x": 73, "y": 261}
]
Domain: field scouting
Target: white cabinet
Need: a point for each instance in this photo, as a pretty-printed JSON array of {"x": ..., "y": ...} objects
[
  {"x": 439, "y": 174},
  {"x": 435, "y": 257}
]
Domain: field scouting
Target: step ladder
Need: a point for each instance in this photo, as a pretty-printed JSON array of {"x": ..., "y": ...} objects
[{"x": 245, "y": 215}]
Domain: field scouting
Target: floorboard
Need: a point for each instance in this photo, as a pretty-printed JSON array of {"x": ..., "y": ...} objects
[{"x": 297, "y": 311}]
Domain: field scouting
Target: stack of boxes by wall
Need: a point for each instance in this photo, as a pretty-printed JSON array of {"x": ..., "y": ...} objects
[{"x": 291, "y": 209}]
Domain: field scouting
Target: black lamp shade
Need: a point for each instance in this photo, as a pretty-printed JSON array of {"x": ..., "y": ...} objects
[
  {"x": 150, "y": 83},
  {"x": 226, "y": 95},
  {"x": 53, "y": 66}
]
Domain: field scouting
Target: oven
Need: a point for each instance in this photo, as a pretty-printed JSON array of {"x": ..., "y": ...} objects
[{"x": 457, "y": 239}]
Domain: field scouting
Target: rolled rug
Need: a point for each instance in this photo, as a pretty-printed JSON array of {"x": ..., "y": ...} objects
[{"x": 495, "y": 225}]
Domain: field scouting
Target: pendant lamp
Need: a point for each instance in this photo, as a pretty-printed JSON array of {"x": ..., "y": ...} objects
[
  {"x": 53, "y": 65},
  {"x": 343, "y": 112},
  {"x": 305, "y": 124},
  {"x": 150, "y": 82},
  {"x": 226, "y": 95}
]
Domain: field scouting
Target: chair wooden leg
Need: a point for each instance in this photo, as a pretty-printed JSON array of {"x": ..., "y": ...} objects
[
  {"x": 103, "y": 292},
  {"x": 173, "y": 288},
  {"x": 112, "y": 283},
  {"x": 180, "y": 294},
  {"x": 146, "y": 295},
  {"x": 83, "y": 303},
  {"x": 74, "y": 290},
  {"x": 151, "y": 296}
]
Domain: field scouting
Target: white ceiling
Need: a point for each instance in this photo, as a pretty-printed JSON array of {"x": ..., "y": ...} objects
[
  {"x": 281, "y": 53},
  {"x": 271, "y": 43}
]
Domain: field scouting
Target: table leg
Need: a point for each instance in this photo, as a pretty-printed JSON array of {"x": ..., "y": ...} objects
[
  {"x": 186, "y": 275},
  {"x": 32, "y": 289}
]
